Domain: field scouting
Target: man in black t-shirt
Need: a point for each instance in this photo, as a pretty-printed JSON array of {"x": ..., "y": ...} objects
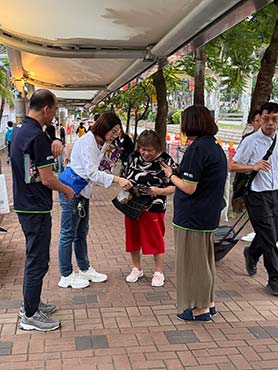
[{"x": 33, "y": 182}]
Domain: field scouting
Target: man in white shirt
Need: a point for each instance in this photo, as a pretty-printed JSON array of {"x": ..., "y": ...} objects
[{"x": 262, "y": 200}]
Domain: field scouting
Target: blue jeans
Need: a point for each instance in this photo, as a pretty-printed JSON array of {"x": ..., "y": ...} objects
[
  {"x": 74, "y": 230},
  {"x": 37, "y": 230}
]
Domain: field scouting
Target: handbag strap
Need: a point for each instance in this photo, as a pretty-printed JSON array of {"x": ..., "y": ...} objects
[
  {"x": 270, "y": 149},
  {"x": 265, "y": 158}
]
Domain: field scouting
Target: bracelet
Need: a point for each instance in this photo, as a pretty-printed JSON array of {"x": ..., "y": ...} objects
[{"x": 172, "y": 174}]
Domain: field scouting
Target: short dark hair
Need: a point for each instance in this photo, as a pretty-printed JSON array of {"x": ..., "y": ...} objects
[
  {"x": 10, "y": 124},
  {"x": 149, "y": 138},
  {"x": 271, "y": 107},
  {"x": 253, "y": 115},
  {"x": 197, "y": 120},
  {"x": 96, "y": 116},
  {"x": 42, "y": 98},
  {"x": 105, "y": 123}
]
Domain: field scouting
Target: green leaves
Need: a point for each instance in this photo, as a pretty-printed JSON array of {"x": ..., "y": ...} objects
[{"x": 6, "y": 87}]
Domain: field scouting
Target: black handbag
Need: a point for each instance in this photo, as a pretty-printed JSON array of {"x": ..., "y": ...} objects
[
  {"x": 242, "y": 182},
  {"x": 134, "y": 207}
]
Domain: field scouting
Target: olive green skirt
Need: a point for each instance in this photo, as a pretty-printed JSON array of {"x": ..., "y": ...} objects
[{"x": 195, "y": 269}]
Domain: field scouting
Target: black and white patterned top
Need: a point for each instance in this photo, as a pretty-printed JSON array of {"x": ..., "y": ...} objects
[{"x": 149, "y": 173}]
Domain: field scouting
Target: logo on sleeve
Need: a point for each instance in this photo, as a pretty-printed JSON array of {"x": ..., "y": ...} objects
[
  {"x": 49, "y": 157},
  {"x": 188, "y": 174}
]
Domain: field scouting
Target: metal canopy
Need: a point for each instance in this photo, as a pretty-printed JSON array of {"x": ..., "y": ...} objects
[{"x": 98, "y": 46}]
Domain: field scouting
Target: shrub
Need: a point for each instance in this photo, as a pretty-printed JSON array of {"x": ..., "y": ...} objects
[
  {"x": 176, "y": 117},
  {"x": 151, "y": 116}
]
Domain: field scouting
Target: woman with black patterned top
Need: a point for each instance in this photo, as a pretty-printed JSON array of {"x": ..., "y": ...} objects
[{"x": 144, "y": 169}]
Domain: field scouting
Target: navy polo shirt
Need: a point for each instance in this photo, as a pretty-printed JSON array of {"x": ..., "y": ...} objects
[
  {"x": 30, "y": 150},
  {"x": 204, "y": 163}
]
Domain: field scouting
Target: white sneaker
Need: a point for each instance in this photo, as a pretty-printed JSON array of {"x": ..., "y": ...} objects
[
  {"x": 74, "y": 281},
  {"x": 158, "y": 279},
  {"x": 92, "y": 275},
  {"x": 134, "y": 275},
  {"x": 249, "y": 237}
]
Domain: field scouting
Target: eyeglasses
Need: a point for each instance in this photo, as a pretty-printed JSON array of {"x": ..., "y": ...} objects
[{"x": 267, "y": 119}]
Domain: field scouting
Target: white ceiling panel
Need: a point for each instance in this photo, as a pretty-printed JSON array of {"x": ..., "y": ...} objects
[{"x": 79, "y": 72}]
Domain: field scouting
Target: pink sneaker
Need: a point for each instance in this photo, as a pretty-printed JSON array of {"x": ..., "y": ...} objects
[
  {"x": 158, "y": 279},
  {"x": 134, "y": 275}
]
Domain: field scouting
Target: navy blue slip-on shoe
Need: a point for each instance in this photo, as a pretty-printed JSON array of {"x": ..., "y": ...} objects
[
  {"x": 187, "y": 315},
  {"x": 250, "y": 263},
  {"x": 213, "y": 311}
]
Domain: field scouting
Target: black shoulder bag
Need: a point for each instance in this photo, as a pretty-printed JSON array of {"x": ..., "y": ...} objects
[
  {"x": 139, "y": 202},
  {"x": 243, "y": 181}
]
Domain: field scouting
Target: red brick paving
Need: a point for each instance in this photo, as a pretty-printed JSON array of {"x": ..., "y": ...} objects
[{"x": 116, "y": 326}]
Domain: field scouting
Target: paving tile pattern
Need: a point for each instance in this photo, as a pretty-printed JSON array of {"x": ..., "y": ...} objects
[{"x": 120, "y": 326}]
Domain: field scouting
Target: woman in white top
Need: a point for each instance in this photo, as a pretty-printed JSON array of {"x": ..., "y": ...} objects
[{"x": 85, "y": 159}]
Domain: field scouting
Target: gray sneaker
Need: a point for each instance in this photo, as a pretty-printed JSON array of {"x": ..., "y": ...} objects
[
  {"x": 46, "y": 308},
  {"x": 39, "y": 321}
]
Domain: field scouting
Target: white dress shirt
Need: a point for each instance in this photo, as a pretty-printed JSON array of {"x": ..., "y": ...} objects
[
  {"x": 85, "y": 159},
  {"x": 252, "y": 150}
]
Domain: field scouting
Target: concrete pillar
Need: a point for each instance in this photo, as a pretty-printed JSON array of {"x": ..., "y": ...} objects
[
  {"x": 20, "y": 109},
  {"x": 63, "y": 113}
]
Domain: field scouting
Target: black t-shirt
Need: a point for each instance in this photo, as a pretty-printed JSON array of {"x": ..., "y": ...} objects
[
  {"x": 146, "y": 173},
  {"x": 30, "y": 150},
  {"x": 204, "y": 163}
]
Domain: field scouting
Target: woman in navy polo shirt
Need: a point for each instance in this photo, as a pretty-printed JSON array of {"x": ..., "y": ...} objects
[{"x": 198, "y": 202}]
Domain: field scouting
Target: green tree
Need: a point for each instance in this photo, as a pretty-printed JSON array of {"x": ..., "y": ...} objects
[
  {"x": 263, "y": 86},
  {"x": 199, "y": 76},
  {"x": 6, "y": 94},
  {"x": 275, "y": 89},
  {"x": 165, "y": 81},
  {"x": 136, "y": 100},
  {"x": 234, "y": 56}
]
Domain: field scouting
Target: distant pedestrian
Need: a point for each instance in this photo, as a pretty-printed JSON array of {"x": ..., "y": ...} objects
[
  {"x": 61, "y": 133},
  {"x": 126, "y": 145},
  {"x": 81, "y": 130},
  {"x": 255, "y": 123},
  {"x": 8, "y": 139}
]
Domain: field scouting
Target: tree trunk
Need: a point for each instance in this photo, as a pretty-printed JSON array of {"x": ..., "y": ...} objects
[
  {"x": 162, "y": 105},
  {"x": 199, "y": 77},
  {"x": 263, "y": 86},
  {"x": 245, "y": 99},
  {"x": 135, "y": 126},
  {"x": 147, "y": 105},
  {"x": 2, "y": 108},
  {"x": 128, "y": 117}
]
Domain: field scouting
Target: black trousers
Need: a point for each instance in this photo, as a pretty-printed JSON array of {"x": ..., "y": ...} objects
[
  {"x": 37, "y": 231},
  {"x": 262, "y": 208}
]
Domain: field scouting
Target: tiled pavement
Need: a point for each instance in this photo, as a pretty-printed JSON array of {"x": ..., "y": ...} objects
[{"x": 114, "y": 325}]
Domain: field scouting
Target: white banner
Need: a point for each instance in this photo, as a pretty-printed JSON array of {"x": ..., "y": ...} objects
[{"x": 4, "y": 200}]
